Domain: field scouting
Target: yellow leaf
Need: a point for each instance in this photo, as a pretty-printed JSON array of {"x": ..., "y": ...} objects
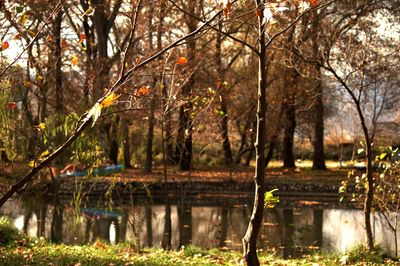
[
  {"x": 44, "y": 154},
  {"x": 23, "y": 19},
  {"x": 89, "y": 12},
  {"x": 39, "y": 78},
  {"x": 74, "y": 60},
  {"x": 109, "y": 100},
  {"x": 27, "y": 84},
  {"x": 32, "y": 164},
  {"x": 41, "y": 126},
  {"x": 32, "y": 33}
]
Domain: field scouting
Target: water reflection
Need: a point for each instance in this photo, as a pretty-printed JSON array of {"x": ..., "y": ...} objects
[{"x": 288, "y": 230}]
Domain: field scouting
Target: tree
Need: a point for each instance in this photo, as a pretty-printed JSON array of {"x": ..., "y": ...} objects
[{"x": 360, "y": 80}]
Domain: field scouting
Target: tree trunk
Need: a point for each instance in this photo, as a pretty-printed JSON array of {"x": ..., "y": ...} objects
[
  {"x": 288, "y": 230},
  {"x": 58, "y": 57},
  {"x": 114, "y": 147},
  {"x": 288, "y": 137},
  {"x": 185, "y": 224},
  {"x": 318, "y": 142},
  {"x": 250, "y": 238},
  {"x": 224, "y": 226},
  {"x": 125, "y": 135},
  {"x": 184, "y": 143},
  {"x": 150, "y": 137},
  {"x": 149, "y": 225},
  {"x": 318, "y": 219},
  {"x": 167, "y": 235},
  {"x": 222, "y": 100}
]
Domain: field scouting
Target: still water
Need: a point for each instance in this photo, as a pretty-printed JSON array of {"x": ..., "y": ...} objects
[{"x": 288, "y": 230}]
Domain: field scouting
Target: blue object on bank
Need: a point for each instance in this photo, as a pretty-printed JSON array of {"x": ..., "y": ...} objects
[{"x": 103, "y": 171}]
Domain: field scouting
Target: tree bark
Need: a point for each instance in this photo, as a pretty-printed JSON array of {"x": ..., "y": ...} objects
[
  {"x": 318, "y": 142},
  {"x": 57, "y": 54},
  {"x": 167, "y": 235},
  {"x": 185, "y": 224},
  {"x": 250, "y": 238},
  {"x": 222, "y": 100},
  {"x": 288, "y": 138},
  {"x": 184, "y": 142},
  {"x": 127, "y": 153}
]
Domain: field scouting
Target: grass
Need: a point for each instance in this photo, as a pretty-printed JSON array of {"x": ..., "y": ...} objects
[{"x": 15, "y": 249}]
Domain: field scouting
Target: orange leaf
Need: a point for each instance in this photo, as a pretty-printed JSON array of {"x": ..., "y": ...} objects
[
  {"x": 74, "y": 60},
  {"x": 18, "y": 37},
  {"x": 49, "y": 38},
  {"x": 142, "y": 91},
  {"x": 227, "y": 9},
  {"x": 11, "y": 105},
  {"x": 4, "y": 45},
  {"x": 181, "y": 61},
  {"x": 82, "y": 36},
  {"x": 313, "y": 3},
  {"x": 64, "y": 44},
  {"x": 109, "y": 100}
]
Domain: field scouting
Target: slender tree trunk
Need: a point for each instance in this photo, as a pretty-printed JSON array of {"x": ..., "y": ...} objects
[
  {"x": 114, "y": 147},
  {"x": 318, "y": 219},
  {"x": 369, "y": 191},
  {"x": 184, "y": 147},
  {"x": 222, "y": 100},
  {"x": 58, "y": 55},
  {"x": 167, "y": 235},
  {"x": 150, "y": 132},
  {"x": 125, "y": 135},
  {"x": 318, "y": 142},
  {"x": 224, "y": 226},
  {"x": 185, "y": 224},
  {"x": 288, "y": 137},
  {"x": 149, "y": 225},
  {"x": 150, "y": 137},
  {"x": 57, "y": 222},
  {"x": 250, "y": 238},
  {"x": 288, "y": 230}
]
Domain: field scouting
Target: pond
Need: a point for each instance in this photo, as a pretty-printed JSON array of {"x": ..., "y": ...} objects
[{"x": 288, "y": 228}]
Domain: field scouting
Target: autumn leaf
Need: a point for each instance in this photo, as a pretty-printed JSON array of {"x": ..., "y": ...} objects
[
  {"x": 142, "y": 91},
  {"x": 88, "y": 12},
  {"x": 18, "y": 37},
  {"x": 227, "y": 8},
  {"x": 39, "y": 78},
  {"x": 11, "y": 105},
  {"x": 40, "y": 127},
  {"x": 74, "y": 60},
  {"x": 31, "y": 33},
  {"x": 109, "y": 100},
  {"x": 23, "y": 19},
  {"x": 4, "y": 46},
  {"x": 27, "y": 84},
  {"x": 49, "y": 38},
  {"x": 181, "y": 61},
  {"x": 64, "y": 44},
  {"x": 313, "y": 3}
]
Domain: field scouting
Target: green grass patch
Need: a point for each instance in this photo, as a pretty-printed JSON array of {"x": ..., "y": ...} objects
[{"x": 17, "y": 250}]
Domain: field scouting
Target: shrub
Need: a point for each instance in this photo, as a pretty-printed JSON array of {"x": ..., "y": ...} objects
[{"x": 8, "y": 232}]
